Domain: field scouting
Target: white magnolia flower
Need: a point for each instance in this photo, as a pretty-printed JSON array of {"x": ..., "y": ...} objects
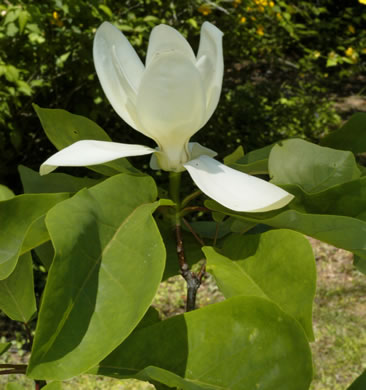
[{"x": 169, "y": 99}]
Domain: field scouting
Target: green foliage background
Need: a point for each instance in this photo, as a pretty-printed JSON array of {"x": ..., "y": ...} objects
[{"x": 283, "y": 61}]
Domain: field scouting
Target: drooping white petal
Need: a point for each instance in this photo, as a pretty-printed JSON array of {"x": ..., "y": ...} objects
[
  {"x": 210, "y": 63},
  {"x": 233, "y": 189},
  {"x": 88, "y": 152},
  {"x": 165, "y": 38},
  {"x": 171, "y": 102},
  {"x": 119, "y": 70}
]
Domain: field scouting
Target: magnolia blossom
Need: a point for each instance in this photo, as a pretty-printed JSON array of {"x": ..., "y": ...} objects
[{"x": 168, "y": 99}]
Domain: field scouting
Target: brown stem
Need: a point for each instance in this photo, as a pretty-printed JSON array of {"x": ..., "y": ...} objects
[
  {"x": 14, "y": 366},
  {"x": 29, "y": 334},
  {"x": 195, "y": 235},
  {"x": 193, "y": 209},
  {"x": 193, "y": 280},
  {"x": 216, "y": 233},
  {"x": 40, "y": 384},
  {"x": 12, "y": 371}
]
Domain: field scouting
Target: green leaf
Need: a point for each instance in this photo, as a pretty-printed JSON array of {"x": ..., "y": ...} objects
[
  {"x": 5, "y": 193},
  {"x": 109, "y": 260},
  {"x": 359, "y": 383},
  {"x": 255, "y": 162},
  {"x": 278, "y": 265},
  {"x": 159, "y": 375},
  {"x": 210, "y": 229},
  {"x": 63, "y": 129},
  {"x": 234, "y": 156},
  {"x": 242, "y": 343},
  {"x": 36, "y": 235},
  {"x": 351, "y": 136},
  {"x": 45, "y": 252},
  {"x": 23, "y": 19},
  {"x": 106, "y": 10},
  {"x": 341, "y": 231},
  {"x": 4, "y": 347},
  {"x": 312, "y": 167},
  {"x": 34, "y": 183},
  {"x": 17, "y": 298},
  {"x": 17, "y": 216},
  {"x": 53, "y": 386},
  {"x": 14, "y": 386},
  {"x": 360, "y": 263},
  {"x": 348, "y": 199}
]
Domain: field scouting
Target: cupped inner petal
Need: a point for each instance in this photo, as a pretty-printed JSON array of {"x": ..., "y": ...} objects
[
  {"x": 210, "y": 63},
  {"x": 233, "y": 189},
  {"x": 88, "y": 152},
  {"x": 191, "y": 151},
  {"x": 170, "y": 101},
  {"x": 197, "y": 150},
  {"x": 119, "y": 70},
  {"x": 166, "y": 38}
]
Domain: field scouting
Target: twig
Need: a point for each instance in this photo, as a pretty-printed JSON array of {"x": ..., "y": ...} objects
[
  {"x": 194, "y": 209},
  {"x": 12, "y": 371},
  {"x": 29, "y": 334},
  {"x": 38, "y": 383},
  {"x": 14, "y": 366},
  {"x": 195, "y": 235},
  {"x": 216, "y": 233},
  {"x": 190, "y": 197},
  {"x": 193, "y": 280}
]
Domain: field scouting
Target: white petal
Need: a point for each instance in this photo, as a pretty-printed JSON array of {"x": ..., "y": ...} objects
[
  {"x": 86, "y": 152},
  {"x": 119, "y": 70},
  {"x": 154, "y": 162},
  {"x": 233, "y": 189},
  {"x": 170, "y": 101},
  {"x": 166, "y": 38},
  {"x": 194, "y": 150},
  {"x": 197, "y": 150},
  {"x": 210, "y": 63}
]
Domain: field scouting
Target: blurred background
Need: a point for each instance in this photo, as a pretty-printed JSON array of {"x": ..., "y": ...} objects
[{"x": 292, "y": 68}]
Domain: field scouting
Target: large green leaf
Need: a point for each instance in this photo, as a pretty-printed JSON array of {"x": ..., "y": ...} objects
[
  {"x": 359, "y": 383},
  {"x": 312, "y": 167},
  {"x": 351, "y": 136},
  {"x": 53, "y": 386},
  {"x": 63, "y": 129},
  {"x": 36, "y": 235},
  {"x": 242, "y": 343},
  {"x": 278, "y": 265},
  {"x": 14, "y": 386},
  {"x": 17, "y": 216},
  {"x": 341, "y": 231},
  {"x": 347, "y": 199},
  {"x": 255, "y": 162},
  {"x": 5, "y": 193},
  {"x": 109, "y": 260},
  {"x": 34, "y": 183},
  {"x": 17, "y": 298}
]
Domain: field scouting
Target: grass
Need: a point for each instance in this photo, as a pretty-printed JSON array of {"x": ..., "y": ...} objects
[{"x": 339, "y": 322}]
